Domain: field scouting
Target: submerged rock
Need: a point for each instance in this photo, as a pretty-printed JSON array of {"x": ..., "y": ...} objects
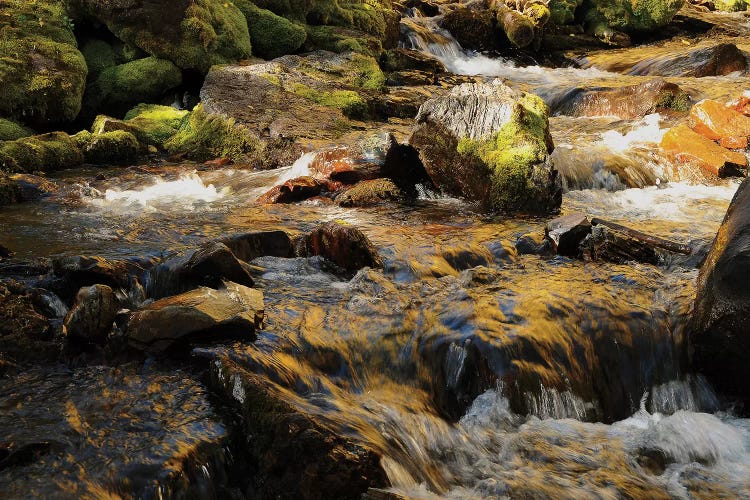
[
  {"x": 687, "y": 146},
  {"x": 346, "y": 246},
  {"x": 720, "y": 328},
  {"x": 490, "y": 144},
  {"x": 293, "y": 190},
  {"x": 250, "y": 246},
  {"x": 201, "y": 314},
  {"x": 628, "y": 102},
  {"x": 93, "y": 314}
]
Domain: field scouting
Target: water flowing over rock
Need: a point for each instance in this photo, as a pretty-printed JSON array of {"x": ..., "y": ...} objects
[
  {"x": 92, "y": 315},
  {"x": 201, "y": 314},
  {"x": 720, "y": 123},
  {"x": 70, "y": 274},
  {"x": 687, "y": 146},
  {"x": 344, "y": 245},
  {"x": 490, "y": 144},
  {"x": 721, "y": 331}
]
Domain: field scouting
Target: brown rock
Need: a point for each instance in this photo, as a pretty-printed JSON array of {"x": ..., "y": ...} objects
[
  {"x": 567, "y": 232},
  {"x": 293, "y": 190},
  {"x": 91, "y": 317},
  {"x": 718, "y": 122},
  {"x": 203, "y": 313},
  {"x": 473, "y": 28},
  {"x": 24, "y": 330},
  {"x": 741, "y": 105},
  {"x": 369, "y": 193},
  {"x": 343, "y": 164},
  {"x": 687, "y": 146},
  {"x": 346, "y": 246}
]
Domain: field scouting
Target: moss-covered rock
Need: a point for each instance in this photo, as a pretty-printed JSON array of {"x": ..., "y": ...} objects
[
  {"x": 99, "y": 56},
  {"x": 205, "y": 136},
  {"x": 340, "y": 40},
  {"x": 490, "y": 144},
  {"x": 731, "y": 5},
  {"x": 634, "y": 15},
  {"x": 117, "y": 147},
  {"x": 151, "y": 124},
  {"x": 563, "y": 11},
  {"x": 42, "y": 72},
  {"x": 10, "y": 130},
  {"x": 271, "y": 35},
  {"x": 9, "y": 191},
  {"x": 46, "y": 153},
  {"x": 193, "y": 34},
  {"x": 119, "y": 88}
]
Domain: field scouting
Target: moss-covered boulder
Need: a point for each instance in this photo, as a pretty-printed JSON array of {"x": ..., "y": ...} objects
[
  {"x": 99, "y": 56},
  {"x": 117, "y": 147},
  {"x": 119, "y": 88},
  {"x": 46, "y": 153},
  {"x": 633, "y": 15},
  {"x": 42, "y": 73},
  {"x": 563, "y": 11},
  {"x": 10, "y": 130},
  {"x": 272, "y": 35},
  {"x": 731, "y": 5},
  {"x": 193, "y": 34},
  {"x": 490, "y": 144},
  {"x": 151, "y": 124},
  {"x": 205, "y": 136}
]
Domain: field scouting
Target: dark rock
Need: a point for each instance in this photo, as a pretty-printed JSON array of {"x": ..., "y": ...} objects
[
  {"x": 92, "y": 315},
  {"x": 490, "y": 144},
  {"x": 25, "y": 333},
  {"x": 197, "y": 315},
  {"x": 296, "y": 455},
  {"x": 614, "y": 246},
  {"x": 5, "y": 252},
  {"x": 720, "y": 327},
  {"x": 627, "y": 102},
  {"x": 250, "y": 246},
  {"x": 718, "y": 60},
  {"x": 567, "y": 232},
  {"x": 208, "y": 266},
  {"x": 369, "y": 193},
  {"x": 473, "y": 28},
  {"x": 293, "y": 190},
  {"x": 33, "y": 187},
  {"x": 534, "y": 244},
  {"x": 346, "y": 246},
  {"x": 407, "y": 59},
  {"x": 70, "y": 274},
  {"x": 410, "y": 78}
]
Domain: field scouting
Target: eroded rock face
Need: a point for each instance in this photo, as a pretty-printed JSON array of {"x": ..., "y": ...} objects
[
  {"x": 346, "y": 246},
  {"x": 490, "y": 144},
  {"x": 203, "y": 313},
  {"x": 721, "y": 319},
  {"x": 92, "y": 315}
]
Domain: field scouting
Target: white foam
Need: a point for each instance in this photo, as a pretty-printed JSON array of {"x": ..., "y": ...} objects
[
  {"x": 183, "y": 192},
  {"x": 648, "y": 130},
  {"x": 299, "y": 168}
]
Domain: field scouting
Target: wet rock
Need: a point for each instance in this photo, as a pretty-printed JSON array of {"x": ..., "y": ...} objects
[
  {"x": 250, "y": 246},
  {"x": 344, "y": 164},
  {"x": 208, "y": 266},
  {"x": 5, "y": 252},
  {"x": 344, "y": 245},
  {"x": 534, "y": 244},
  {"x": 490, "y": 144},
  {"x": 25, "y": 332},
  {"x": 70, "y": 274},
  {"x": 741, "y": 105},
  {"x": 45, "y": 152},
  {"x": 92, "y": 315},
  {"x": 473, "y": 28},
  {"x": 118, "y": 147},
  {"x": 410, "y": 78},
  {"x": 720, "y": 330},
  {"x": 33, "y": 187},
  {"x": 689, "y": 147},
  {"x": 568, "y": 232},
  {"x": 609, "y": 245},
  {"x": 9, "y": 192},
  {"x": 296, "y": 456},
  {"x": 407, "y": 59},
  {"x": 721, "y": 123},
  {"x": 197, "y": 315},
  {"x": 718, "y": 60},
  {"x": 628, "y": 102},
  {"x": 293, "y": 190},
  {"x": 369, "y": 193}
]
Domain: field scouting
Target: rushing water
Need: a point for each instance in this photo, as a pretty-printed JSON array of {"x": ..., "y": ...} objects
[{"x": 474, "y": 370}]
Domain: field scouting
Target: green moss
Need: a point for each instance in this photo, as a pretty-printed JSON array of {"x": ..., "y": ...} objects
[
  {"x": 165, "y": 114},
  {"x": 367, "y": 73},
  {"x": 341, "y": 40},
  {"x": 118, "y": 88},
  {"x": 679, "y": 102},
  {"x": 42, "y": 72},
  {"x": 513, "y": 151},
  {"x": 637, "y": 15},
  {"x": 10, "y": 130},
  {"x": 99, "y": 56},
  {"x": 731, "y": 5},
  {"x": 46, "y": 152},
  {"x": 348, "y": 101},
  {"x": 563, "y": 11},
  {"x": 271, "y": 35},
  {"x": 203, "y": 136},
  {"x": 117, "y": 147}
]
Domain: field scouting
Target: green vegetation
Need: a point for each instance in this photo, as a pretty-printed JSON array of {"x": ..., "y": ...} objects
[
  {"x": 10, "y": 130},
  {"x": 271, "y": 35},
  {"x": 120, "y": 87},
  {"x": 46, "y": 152},
  {"x": 563, "y": 11},
  {"x": 117, "y": 147},
  {"x": 634, "y": 15},
  {"x": 348, "y": 101},
  {"x": 512, "y": 152},
  {"x": 99, "y": 56},
  {"x": 42, "y": 71},
  {"x": 731, "y": 5},
  {"x": 204, "y": 137}
]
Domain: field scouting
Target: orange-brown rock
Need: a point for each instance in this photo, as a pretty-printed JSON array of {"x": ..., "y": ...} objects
[
  {"x": 343, "y": 164},
  {"x": 297, "y": 189},
  {"x": 741, "y": 105},
  {"x": 718, "y": 122},
  {"x": 688, "y": 146}
]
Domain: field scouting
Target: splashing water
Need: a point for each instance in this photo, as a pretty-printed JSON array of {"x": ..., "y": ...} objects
[
  {"x": 184, "y": 192},
  {"x": 648, "y": 130},
  {"x": 299, "y": 168}
]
